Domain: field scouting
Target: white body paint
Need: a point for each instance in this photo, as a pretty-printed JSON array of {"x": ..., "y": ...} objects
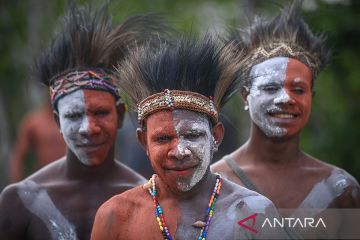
[
  {"x": 74, "y": 124},
  {"x": 325, "y": 191},
  {"x": 37, "y": 201},
  {"x": 193, "y": 145},
  {"x": 271, "y": 72}
]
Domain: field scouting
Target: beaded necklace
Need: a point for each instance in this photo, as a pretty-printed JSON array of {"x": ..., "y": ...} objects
[{"x": 209, "y": 211}]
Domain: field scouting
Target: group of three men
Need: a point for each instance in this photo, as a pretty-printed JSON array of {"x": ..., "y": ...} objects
[{"x": 178, "y": 88}]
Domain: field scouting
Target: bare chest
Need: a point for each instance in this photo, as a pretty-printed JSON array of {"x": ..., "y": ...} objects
[{"x": 286, "y": 189}]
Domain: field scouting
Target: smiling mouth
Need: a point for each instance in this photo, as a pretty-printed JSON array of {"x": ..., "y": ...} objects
[
  {"x": 182, "y": 170},
  {"x": 283, "y": 115},
  {"x": 90, "y": 146}
]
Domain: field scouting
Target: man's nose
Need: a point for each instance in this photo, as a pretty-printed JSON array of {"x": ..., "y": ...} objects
[
  {"x": 283, "y": 98},
  {"x": 180, "y": 150},
  {"x": 88, "y": 126}
]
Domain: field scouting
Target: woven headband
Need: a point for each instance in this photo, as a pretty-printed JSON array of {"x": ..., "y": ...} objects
[
  {"x": 89, "y": 79},
  {"x": 174, "y": 99},
  {"x": 283, "y": 49}
]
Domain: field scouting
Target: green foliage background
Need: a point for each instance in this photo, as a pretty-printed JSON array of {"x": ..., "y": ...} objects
[{"x": 333, "y": 131}]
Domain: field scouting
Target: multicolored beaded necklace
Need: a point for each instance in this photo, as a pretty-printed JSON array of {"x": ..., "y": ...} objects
[{"x": 209, "y": 211}]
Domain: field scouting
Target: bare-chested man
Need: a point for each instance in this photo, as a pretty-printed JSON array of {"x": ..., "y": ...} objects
[
  {"x": 179, "y": 91},
  {"x": 285, "y": 59},
  {"x": 39, "y": 132},
  {"x": 60, "y": 200}
]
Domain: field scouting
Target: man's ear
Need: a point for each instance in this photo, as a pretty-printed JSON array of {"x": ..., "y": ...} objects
[
  {"x": 56, "y": 118},
  {"x": 244, "y": 92},
  {"x": 218, "y": 133},
  {"x": 120, "y": 109},
  {"x": 141, "y": 137},
  {"x": 313, "y": 93}
]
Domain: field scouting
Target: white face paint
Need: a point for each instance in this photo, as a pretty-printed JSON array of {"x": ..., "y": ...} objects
[
  {"x": 74, "y": 124},
  {"x": 195, "y": 143},
  {"x": 266, "y": 92}
]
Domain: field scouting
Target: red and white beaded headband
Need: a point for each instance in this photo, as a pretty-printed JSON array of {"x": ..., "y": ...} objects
[{"x": 175, "y": 99}]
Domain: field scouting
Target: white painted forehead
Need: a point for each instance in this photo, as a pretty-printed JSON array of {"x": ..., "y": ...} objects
[
  {"x": 183, "y": 114},
  {"x": 269, "y": 65},
  {"x": 74, "y": 99}
]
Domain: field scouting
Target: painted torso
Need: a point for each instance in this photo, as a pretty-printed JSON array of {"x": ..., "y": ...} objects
[
  {"x": 47, "y": 205},
  {"x": 301, "y": 191},
  {"x": 312, "y": 185},
  {"x": 133, "y": 215}
]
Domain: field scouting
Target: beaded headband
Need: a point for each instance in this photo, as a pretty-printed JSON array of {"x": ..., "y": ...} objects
[
  {"x": 172, "y": 99},
  {"x": 69, "y": 82},
  {"x": 282, "y": 49}
]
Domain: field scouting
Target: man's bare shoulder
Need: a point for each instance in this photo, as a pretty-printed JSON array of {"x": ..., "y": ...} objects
[
  {"x": 128, "y": 200},
  {"x": 220, "y": 166},
  {"x": 242, "y": 197},
  {"x": 132, "y": 178},
  {"x": 340, "y": 186},
  {"x": 9, "y": 195},
  {"x": 32, "y": 183},
  {"x": 113, "y": 216},
  {"x": 18, "y": 193},
  {"x": 14, "y": 215},
  {"x": 345, "y": 187}
]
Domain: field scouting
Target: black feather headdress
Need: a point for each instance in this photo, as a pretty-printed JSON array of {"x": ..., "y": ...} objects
[
  {"x": 191, "y": 73},
  {"x": 87, "y": 47},
  {"x": 285, "y": 35}
]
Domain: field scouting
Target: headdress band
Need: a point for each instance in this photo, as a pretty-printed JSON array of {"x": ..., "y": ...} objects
[
  {"x": 173, "y": 99},
  {"x": 283, "y": 49},
  {"x": 67, "y": 83}
]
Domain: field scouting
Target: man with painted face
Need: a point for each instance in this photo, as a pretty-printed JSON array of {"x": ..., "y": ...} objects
[
  {"x": 284, "y": 59},
  {"x": 178, "y": 92},
  {"x": 60, "y": 200}
]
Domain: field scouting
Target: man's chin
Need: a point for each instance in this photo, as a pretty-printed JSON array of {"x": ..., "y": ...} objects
[
  {"x": 92, "y": 162},
  {"x": 185, "y": 185}
]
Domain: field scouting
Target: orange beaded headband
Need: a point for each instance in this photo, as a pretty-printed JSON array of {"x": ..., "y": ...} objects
[{"x": 172, "y": 99}]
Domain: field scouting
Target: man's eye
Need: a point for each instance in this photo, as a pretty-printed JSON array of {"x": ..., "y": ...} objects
[
  {"x": 270, "y": 88},
  {"x": 101, "y": 113},
  {"x": 163, "y": 139},
  {"x": 193, "y": 135},
  {"x": 73, "y": 116},
  {"x": 298, "y": 90}
]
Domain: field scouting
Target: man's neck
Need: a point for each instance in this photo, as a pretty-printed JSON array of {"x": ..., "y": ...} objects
[
  {"x": 274, "y": 151},
  {"x": 203, "y": 188},
  {"x": 76, "y": 170}
]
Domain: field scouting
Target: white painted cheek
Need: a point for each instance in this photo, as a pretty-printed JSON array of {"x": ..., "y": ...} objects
[
  {"x": 267, "y": 72},
  {"x": 72, "y": 129},
  {"x": 203, "y": 152},
  {"x": 199, "y": 150}
]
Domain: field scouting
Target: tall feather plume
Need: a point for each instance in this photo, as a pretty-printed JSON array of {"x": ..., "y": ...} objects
[
  {"x": 190, "y": 64},
  {"x": 231, "y": 62},
  {"x": 131, "y": 79},
  {"x": 287, "y": 27},
  {"x": 87, "y": 39}
]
